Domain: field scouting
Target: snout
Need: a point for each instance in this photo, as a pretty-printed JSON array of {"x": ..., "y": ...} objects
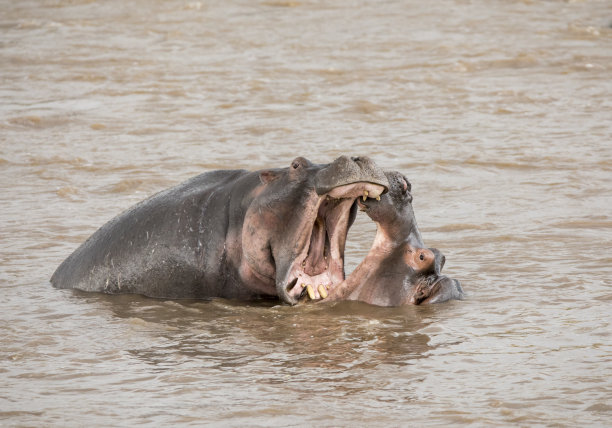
[
  {"x": 437, "y": 288},
  {"x": 446, "y": 289},
  {"x": 442, "y": 290},
  {"x": 348, "y": 170}
]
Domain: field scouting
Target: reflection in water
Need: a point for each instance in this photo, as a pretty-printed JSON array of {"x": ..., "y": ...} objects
[{"x": 230, "y": 335}]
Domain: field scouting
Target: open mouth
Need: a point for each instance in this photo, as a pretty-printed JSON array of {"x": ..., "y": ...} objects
[
  {"x": 363, "y": 206},
  {"x": 319, "y": 267}
]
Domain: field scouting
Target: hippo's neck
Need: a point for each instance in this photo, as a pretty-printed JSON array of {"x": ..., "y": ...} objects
[
  {"x": 402, "y": 229},
  {"x": 358, "y": 283}
]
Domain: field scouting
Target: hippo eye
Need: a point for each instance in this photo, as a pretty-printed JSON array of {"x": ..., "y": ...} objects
[
  {"x": 422, "y": 256},
  {"x": 295, "y": 165}
]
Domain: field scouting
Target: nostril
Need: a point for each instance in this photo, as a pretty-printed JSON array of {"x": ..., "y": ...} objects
[{"x": 355, "y": 158}]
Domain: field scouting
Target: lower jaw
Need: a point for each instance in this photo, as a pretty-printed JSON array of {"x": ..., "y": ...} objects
[{"x": 313, "y": 287}]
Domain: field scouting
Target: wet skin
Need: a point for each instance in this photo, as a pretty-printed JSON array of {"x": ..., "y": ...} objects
[
  {"x": 399, "y": 269},
  {"x": 231, "y": 233}
]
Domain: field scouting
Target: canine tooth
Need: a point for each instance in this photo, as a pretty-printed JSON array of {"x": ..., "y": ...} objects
[
  {"x": 322, "y": 291},
  {"x": 303, "y": 285},
  {"x": 310, "y": 292},
  {"x": 365, "y": 195},
  {"x": 378, "y": 198}
]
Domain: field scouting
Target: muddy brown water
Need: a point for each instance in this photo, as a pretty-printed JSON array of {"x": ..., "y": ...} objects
[{"x": 499, "y": 112}]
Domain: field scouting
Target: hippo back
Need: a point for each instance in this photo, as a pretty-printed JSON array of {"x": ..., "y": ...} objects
[{"x": 157, "y": 247}]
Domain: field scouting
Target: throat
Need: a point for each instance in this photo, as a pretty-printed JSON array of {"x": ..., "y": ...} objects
[
  {"x": 318, "y": 252},
  {"x": 319, "y": 267}
]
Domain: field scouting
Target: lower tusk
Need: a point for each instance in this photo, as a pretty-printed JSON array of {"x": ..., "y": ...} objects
[
  {"x": 322, "y": 291},
  {"x": 310, "y": 292}
]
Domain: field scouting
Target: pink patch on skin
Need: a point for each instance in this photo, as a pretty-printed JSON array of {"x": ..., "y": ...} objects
[{"x": 419, "y": 259}]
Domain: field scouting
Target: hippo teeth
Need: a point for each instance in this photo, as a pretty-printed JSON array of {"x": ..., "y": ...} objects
[
  {"x": 310, "y": 292},
  {"x": 322, "y": 291}
]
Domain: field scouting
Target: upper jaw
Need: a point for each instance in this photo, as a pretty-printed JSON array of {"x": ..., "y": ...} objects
[
  {"x": 349, "y": 170},
  {"x": 319, "y": 266},
  {"x": 353, "y": 191}
]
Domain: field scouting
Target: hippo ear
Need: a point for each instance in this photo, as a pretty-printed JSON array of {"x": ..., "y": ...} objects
[
  {"x": 268, "y": 176},
  {"x": 406, "y": 187}
]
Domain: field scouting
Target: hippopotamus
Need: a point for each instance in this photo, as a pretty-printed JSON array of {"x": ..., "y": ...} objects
[
  {"x": 399, "y": 269},
  {"x": 232, "y": 234}
]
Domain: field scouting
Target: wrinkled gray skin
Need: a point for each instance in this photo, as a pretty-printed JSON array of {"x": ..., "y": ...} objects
[
  {"x": 399, "y": 269},
  {"x": 230, "y": 233}
]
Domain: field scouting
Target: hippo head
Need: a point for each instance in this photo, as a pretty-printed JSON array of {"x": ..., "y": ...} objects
[
  {"x": 398, "y": 269},
  {"x": 296, "y": 226}
]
